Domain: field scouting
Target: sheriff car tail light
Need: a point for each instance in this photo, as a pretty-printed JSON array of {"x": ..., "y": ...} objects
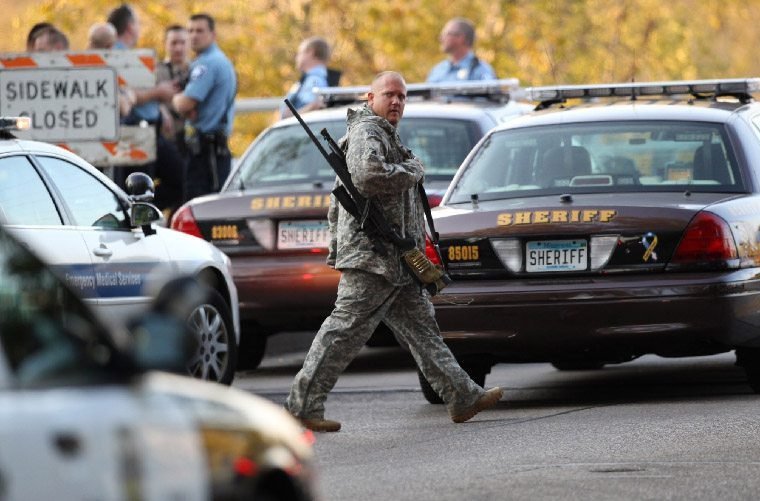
[
  {"x": 432, "y": 253},
  {"x": 707, "y": 241},
  {"x": 183, "y": 220},
  {"x": 434, "y": 199}
]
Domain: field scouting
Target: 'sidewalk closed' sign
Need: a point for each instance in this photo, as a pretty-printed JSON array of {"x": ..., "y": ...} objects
[
  {"x": 72, "y": 99},
  {"x": 69, "y": 104}
]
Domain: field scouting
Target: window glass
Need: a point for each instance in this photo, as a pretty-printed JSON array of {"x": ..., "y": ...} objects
[
  {"x": 287, "y": 155},
  {"x": 601, "y": 158},
  {"x": 442, "y": 145},
  {"x": 24, "y": 198},
  {"x": 91, "y": 203}
]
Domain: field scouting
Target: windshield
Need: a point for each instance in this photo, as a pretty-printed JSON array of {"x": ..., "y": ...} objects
[
  {"x": 286, "y": 155},
  {"x": 600, "y": 158}
]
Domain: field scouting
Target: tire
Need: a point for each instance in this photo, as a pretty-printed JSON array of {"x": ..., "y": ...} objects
[
  {"x": 749, "y": 360},
  {"x": 578, "y": 365},
  {"x": 253, "y": 346},
  {"x": 476, "y": 372},
  {"x": 216, "y": 356}
]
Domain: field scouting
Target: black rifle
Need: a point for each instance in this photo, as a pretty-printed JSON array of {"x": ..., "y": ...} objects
[{"x": 371, "y": 218}]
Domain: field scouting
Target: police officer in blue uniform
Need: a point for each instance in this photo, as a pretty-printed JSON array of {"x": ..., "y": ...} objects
[
  {"x": 457, "y": 39},
  {"x": 207, "y": 104},
  {"x": 145, "y": 105},
  {"x": 311, "y": 61}
]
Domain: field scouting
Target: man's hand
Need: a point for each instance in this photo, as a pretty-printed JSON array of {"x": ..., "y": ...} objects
[{"x": 185, "y": 106}]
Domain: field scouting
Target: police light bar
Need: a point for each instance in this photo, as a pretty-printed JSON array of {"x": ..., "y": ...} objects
[
  {"x": 15, "y": 123},
  {"x": 743, "y": 87},
  {"x": 492, "y": 89}
]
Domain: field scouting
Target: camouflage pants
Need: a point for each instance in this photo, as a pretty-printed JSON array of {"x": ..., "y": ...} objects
[{"x": 364, "y": 300}]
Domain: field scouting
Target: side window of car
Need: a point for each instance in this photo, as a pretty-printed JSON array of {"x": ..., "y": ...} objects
[
  {"x": 24, "y": 198},
  {"x": 90, "y": 202}
]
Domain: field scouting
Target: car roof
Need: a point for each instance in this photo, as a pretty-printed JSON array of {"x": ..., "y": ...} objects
[
  {"x": 14, "y": 145},
  {"x": 689, "y": 111},
  {"x": 439, "y": 109}
]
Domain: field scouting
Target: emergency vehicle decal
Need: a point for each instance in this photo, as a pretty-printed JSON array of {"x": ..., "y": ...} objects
[
  {"x": 291, "y": 202},
  {"x": 106, "y": 280},
  {"x": 464, "y": 253},
  {"x": 556, "y": 216}
]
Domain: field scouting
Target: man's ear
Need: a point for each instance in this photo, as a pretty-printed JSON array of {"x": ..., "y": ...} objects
[{"x": 370, "y": 98}]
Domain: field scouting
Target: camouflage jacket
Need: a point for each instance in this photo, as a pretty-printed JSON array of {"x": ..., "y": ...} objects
[{"x": 385, "y": 170}]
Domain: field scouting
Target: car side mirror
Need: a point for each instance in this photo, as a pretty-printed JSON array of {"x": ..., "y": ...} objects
[{"x": 144, "y": 214}]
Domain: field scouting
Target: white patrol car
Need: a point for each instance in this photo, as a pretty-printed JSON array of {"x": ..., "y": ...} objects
[
  {"x": 84, "y": 414},
  {"x": 109, "y": 247}
]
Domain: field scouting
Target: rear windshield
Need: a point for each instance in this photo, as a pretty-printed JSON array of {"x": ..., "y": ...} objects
[
  {"x": 603, "y": 157},
  {"x": 287, "y": 155}
]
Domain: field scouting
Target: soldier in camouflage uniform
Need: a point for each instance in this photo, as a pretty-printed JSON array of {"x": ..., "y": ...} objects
[{"x": 375, "y": 288}]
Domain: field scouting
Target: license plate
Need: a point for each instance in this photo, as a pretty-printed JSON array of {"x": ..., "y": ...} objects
[
  {"x": 307, "y": 234},
  {"x": 556, "y": 255}
]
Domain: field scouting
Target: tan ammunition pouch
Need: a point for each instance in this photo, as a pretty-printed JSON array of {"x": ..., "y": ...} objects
[{"x": 430, "y": 276}]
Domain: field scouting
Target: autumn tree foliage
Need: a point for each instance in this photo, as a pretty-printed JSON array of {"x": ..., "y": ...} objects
[{"x": 540, "y": 42}]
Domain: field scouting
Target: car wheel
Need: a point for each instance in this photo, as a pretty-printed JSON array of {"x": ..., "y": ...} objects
[
  {"x": 216, "y": 355},
  {"x": 578, "y": 365},
  {"x": 253, "y": 346},
  {"x": 749, "y": 360},
  {"x": 476, "y": 372}
]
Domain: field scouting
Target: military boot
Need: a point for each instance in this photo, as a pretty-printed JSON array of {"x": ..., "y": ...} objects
[
  {"x": 488, "y": 399},
  {"x": 316, "y": 424}
]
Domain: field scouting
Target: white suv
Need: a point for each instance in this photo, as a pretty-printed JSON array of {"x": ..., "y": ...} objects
[{"x": 109, "y": 247}]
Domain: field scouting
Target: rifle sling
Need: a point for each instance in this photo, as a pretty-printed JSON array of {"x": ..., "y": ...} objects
[{"x": 428, "y": 214}]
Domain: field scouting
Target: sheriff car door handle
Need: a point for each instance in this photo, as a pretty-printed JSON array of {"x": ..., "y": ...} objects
[{"x": 103, "y": 251}]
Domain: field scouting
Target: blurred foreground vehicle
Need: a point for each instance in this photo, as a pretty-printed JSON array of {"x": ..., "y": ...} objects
[
  {"x": 595, "y": 233},
  {"x": 110, "y": 247},
  {"x": 83, "y": 415},
  {"x": 271, "y": 215}
]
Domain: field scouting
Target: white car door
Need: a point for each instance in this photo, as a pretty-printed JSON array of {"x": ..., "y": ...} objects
[
  {"x": 28, "y": 211},
  {"x": 128, "y": 264}
]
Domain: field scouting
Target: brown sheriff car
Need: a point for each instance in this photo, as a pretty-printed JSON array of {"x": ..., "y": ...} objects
[
  {"x": 270, "y": 217},
  {"x": 590, "y": 234}
]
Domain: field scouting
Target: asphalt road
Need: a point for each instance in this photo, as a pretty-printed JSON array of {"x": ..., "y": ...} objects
[{"x": 650, "y": 429}]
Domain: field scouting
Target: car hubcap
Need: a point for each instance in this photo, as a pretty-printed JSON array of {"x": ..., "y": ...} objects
[{"x": 212, "y": 357}]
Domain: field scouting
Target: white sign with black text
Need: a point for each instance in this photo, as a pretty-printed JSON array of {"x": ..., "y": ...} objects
[{"x": 64, "y": 104}]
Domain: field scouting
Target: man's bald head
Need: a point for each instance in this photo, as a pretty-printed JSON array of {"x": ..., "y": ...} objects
[
  {"x": 387, "y": 96},
  {"x": 101, "y": 36},
  {"x": 380, "y": 79}
]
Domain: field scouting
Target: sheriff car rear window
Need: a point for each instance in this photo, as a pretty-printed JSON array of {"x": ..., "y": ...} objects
[
  {"x": 287, "y": 155},
  {"x": 599, "y": 158},
  {"x": 441, "y": 144}
]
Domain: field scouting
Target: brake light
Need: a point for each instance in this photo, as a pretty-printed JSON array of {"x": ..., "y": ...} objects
[
  {"x": 183, "y": 220},
  {"x": 245, "y": 467},
  {"x": 707, "y": 240},
  {"x": 431, "y": 252},
  {"x": 434, "y": 199}
]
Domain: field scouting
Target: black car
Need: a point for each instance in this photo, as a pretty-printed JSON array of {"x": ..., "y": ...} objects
[
  {"x": 270, "y": 217},
  {"x": 621, "y": 220}
]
